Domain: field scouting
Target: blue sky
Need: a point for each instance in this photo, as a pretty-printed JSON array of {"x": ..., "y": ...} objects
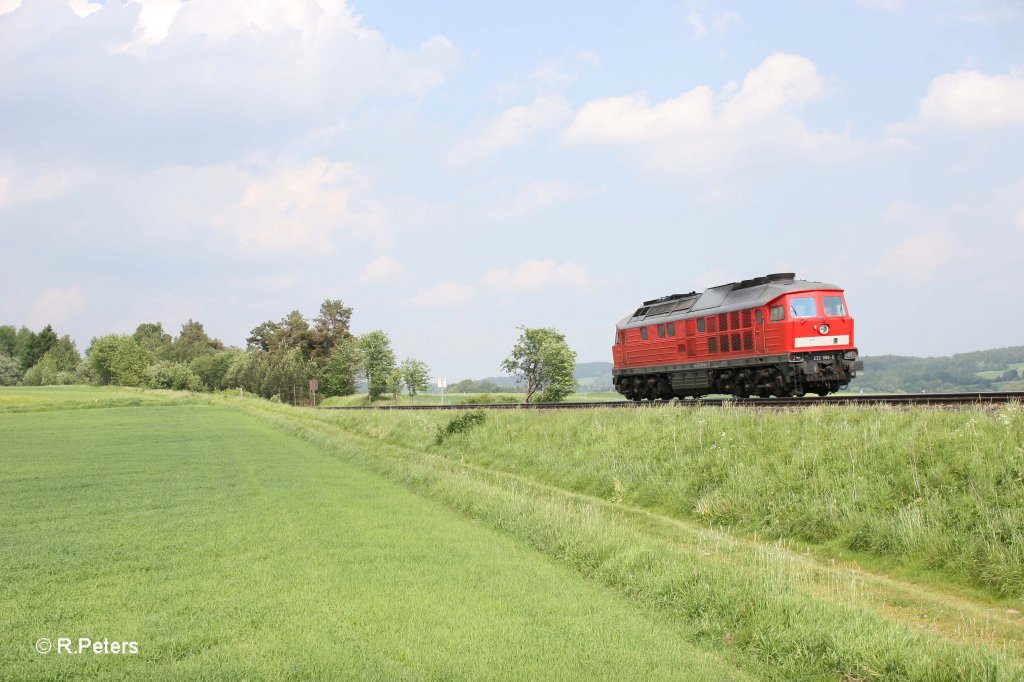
[{"x": 453, "y": 172}]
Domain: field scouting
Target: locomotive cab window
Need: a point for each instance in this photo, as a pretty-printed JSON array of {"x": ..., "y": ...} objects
[
  {"x": 777, "y": 313},
  {"x": 643, "y": 333},
  {"x": 834, "y": 306},
  {"x": 803, "y": 306}
]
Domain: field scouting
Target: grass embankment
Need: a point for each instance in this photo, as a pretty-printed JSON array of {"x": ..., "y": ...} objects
[
  {"x": 229, "y": 550},
  {"x": 937, "y": 494},
  {"x": 783, "y": 614}
]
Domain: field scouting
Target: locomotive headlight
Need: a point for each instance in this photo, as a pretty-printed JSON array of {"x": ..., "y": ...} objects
[
  {"x": 823, "y": 329},
  {"x": 850, "y": 355}
]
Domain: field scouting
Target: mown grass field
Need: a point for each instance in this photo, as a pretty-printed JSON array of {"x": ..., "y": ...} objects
[
  {"x": 236, "y": 538},
  {"x": 228, "y": 550}
]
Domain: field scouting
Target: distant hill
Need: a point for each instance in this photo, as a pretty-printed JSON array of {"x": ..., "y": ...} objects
[
  {"x": 591, "y": 376},
  {"x": 1000, "y": 369}
]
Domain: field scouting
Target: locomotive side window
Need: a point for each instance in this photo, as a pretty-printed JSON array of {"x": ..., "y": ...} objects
[
  {"x": 758, "y": 316},
  {"x": 671, "y": 328},
  {"x": 643, "y": 333},
  {"x": 661, "y": 331},
  {"x": 700, "y": 325},
  {"x": 713, "y": 344},
  {"x": 777, "y": 314},
  {"x": 803, "y": 307},
  {"x": 834, "y": 306}
]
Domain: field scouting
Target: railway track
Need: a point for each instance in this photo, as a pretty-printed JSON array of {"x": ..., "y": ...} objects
[{"x": 916, "y": 399}]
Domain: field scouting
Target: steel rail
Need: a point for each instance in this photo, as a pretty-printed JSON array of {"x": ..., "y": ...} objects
[{"x": 913, "y": 399}]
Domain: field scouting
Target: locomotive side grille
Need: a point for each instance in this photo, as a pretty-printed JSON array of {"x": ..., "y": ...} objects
[
  {"x": 736, "y": 342},
  {"x": 746, "y": 319},
  {"x": 723, "y": 321},
  {"x": 713, "y": 344},
  {"x": 723, "y": 342},
  {"x": 748, "y": 341},
  {"x": 734, "y": 319}
]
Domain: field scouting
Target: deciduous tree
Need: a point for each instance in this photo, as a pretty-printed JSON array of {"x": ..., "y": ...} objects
[
  {"x": 378, "y": 361},
  {"x": 338, "y": 376},
  {"x": 543, "y": 361},
  {"x": 415, "y": 376}
]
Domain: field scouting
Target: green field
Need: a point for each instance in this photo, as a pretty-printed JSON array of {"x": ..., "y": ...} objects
[{"x": 233, "y": 538}]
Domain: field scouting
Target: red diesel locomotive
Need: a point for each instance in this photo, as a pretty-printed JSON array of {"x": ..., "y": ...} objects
[{"x": 773, "y": 335}]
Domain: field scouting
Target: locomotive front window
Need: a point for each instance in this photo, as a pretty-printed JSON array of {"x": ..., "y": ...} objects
[
  {"x": 834, "y": 306},
  {"x": 803, "y": 307}
]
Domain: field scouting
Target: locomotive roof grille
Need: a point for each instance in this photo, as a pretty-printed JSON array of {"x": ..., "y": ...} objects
[
  {"x": 724, "y": 298},
  {"x": 672, "y": 297}
]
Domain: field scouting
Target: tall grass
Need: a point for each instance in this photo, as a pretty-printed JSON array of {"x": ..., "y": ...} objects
[
  {"x": 932, "y": 491},
  {"x": 785, "y": 617}
]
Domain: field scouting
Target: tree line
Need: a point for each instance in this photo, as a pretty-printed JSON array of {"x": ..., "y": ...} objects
[{"x": 280, "y": 359}]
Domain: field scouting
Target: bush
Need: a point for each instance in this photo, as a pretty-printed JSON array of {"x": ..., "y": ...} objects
[
  {"x": 461, "y": 424},
  {"x": 33, "y": 376},
  {"x": 118, "y": 360},
  {"x": 172, "y": 375},
  {"x": 487, "y": 399},
  {"x": 10, "y": 370}
]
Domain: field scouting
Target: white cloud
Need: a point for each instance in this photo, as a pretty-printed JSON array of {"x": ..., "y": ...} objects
[
  {"x": 532, "y": 197},
  {"x": 303, "y": 207},
  {"x": 900, "y": 212},
  {"x": 512, "y": 128},
  {"x": 700, "y": 130},
  {"x": 444, "y": 295},
  {"x": 719, "y": 22},
  {"x": 536, "y": 275},
  {"x": 55, "y": 306},
  {"x": 723, "y": 21},
  {"x": 20, "y": 184},
  {"x": 383, "y": 269},
  {"x": 919, "y": 258},
  {"x": 552, "y": 75},
  {"x": 698, "y": 29},
  {"x": 202, "y": 81},
  {"x": 153, "y": 24},
  {"x": 1020, "y": 220},
  {"x": 83, "y": 8},
  {"x": 220, "y": 20},
  {"x": 973, "y": 100},
  {"x": 8, "y": 6}
]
